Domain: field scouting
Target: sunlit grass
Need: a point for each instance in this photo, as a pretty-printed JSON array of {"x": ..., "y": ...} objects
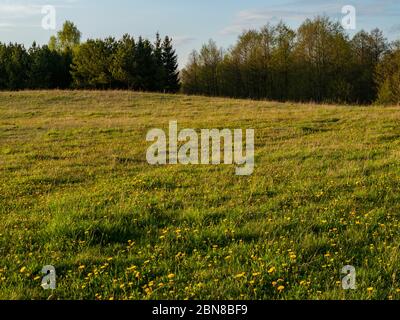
[{"x": 76, "y": 192}]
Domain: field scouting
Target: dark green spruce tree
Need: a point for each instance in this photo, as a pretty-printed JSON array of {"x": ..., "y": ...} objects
[
  {"x": 15, "y": 65},
  {"x": 124, "y": 65},
  {"x": 46, "y": 68},
  {"x": 146, "y": 66},
  {"x": 160, "y": 74},
  {"x": 170, "y": 62},
  {"x": 3, "y": 74}
]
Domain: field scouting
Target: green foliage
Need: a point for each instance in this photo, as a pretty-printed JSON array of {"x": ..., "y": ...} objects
[
  {"x": 322, "y": 56},
  {"x": 96, "y": 64},
  {"x": 317, "y": 63},
  {"x": 161, "y": 72},
  {"x": 388, "y": 77},
  {"x": 169, "y": 62},
  {"x": 127, "y": 64},
  {"x": 201, "y": 75},
  {"x": 68, "y": 38},
  {"x": 368, "y": 50},
  {"x": 36, "y": 68},
  {"x": 124, "y": 63},
  {"x": 14, "y": 63},
  {"x": 92, "y": 62},
  {"x": 146, "y": 66},
  {"x": 3, "y": 61},
  {"x": 46, "y": 69}
]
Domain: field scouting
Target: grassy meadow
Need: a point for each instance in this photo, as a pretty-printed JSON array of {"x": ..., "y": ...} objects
[{"x": 77, "y": 193}]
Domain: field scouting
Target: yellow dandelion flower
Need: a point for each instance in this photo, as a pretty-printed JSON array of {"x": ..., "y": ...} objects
[
  {"x": 171, "y": 276},
  {"x": 132, "y": 268},
  {"x": 281, "y": 288},
  {"x": 370, "y": 290},
  {"x": 22, "y": 270},
  {"x": 272, "y": 270},
  {"x": 240, "y": 275}
]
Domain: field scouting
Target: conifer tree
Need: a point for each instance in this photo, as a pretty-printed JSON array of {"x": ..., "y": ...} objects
[
  {"x": 124, "y": 65},
  {"x": 170, "y": 62},
  {"x": 3, "y": 74},
  {"x": 160, "y": 75},
  {"x": 65, "y": 43},
  {"x": 46, "y": 68},
  {"x": 146, "y": 66},
  {"x": 16, "y": 65},
  {"x": 92, "y": 64}
]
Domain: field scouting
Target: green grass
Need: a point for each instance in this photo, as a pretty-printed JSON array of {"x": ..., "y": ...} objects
[{"x": 76, "y": 192}]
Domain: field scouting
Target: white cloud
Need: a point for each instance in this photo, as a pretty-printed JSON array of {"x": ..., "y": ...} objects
[
  {"x": 395, "y": 29},
  {"x": 182, "y": 40},
  {"x": 299, "y": 10},
  {"x": 18, "y": 10},
  {"x": 5, "y": 25},
  {"x": 254, "y": 18},
  {"x": 27, "y": 14}
]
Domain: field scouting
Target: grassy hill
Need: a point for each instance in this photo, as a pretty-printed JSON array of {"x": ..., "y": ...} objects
[{"x": 76, "y": 192}]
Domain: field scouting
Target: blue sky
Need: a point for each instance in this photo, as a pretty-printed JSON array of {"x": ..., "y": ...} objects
[{"x": 189, "y": 22}]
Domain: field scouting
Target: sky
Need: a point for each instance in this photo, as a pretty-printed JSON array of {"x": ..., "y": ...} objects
[{"x": 189, "y": 22}]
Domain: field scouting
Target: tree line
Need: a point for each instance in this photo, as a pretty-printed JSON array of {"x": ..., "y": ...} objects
[
  {"x": 317, "y": 62},
  {"x": 127, "y": 63}
]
